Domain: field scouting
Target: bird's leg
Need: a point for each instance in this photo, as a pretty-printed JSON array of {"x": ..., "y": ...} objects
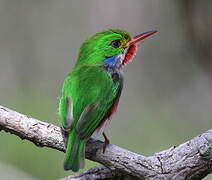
[{"x": 106, "y": 142}]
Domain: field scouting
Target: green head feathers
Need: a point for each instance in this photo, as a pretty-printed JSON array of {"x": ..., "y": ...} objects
[{"x": 102, "y": 45}]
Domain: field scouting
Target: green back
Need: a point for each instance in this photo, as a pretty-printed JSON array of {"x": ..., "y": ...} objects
[
  {"x": 89, "y": 84},
  {"x": 93, "y": 86}
]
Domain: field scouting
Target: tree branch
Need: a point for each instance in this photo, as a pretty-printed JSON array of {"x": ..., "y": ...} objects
[
  {"x": 100, "y": 172},
  {"x": 191, "y": 160}
]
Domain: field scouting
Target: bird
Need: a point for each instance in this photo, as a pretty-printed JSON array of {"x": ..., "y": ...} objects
[{"x": 91, "y": 91}]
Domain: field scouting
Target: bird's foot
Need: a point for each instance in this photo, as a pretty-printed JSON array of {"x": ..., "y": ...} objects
[{"x": 106, "y": 142}]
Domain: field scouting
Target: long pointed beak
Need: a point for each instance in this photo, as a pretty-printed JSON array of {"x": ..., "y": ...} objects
[{"x": 140, "y": 37}]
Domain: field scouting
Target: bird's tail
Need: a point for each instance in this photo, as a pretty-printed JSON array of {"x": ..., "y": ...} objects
[{"x": 75, "y": 152}]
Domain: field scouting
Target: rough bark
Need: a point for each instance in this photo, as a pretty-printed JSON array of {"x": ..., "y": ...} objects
[
  {"x": 100, "y": 172},
  {"x": 190, "y": 160}
]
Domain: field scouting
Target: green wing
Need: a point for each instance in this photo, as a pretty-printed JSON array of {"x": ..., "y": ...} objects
[{"x": 92, "y": 92}]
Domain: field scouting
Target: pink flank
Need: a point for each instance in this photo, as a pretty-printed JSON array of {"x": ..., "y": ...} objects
[{"x": 105, "y": 122}]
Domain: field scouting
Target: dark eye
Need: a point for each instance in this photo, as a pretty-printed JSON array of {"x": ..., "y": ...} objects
[{"x": 116, "y": 43}]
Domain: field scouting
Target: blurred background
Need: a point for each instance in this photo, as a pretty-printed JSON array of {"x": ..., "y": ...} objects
[{"x": 167, "y": 97}]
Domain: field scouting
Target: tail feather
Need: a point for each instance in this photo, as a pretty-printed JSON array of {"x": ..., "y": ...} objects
[{"x": 75, "y": 153}]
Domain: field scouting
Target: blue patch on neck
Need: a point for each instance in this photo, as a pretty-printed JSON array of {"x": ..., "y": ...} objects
[{"x": 113, "y": 61}]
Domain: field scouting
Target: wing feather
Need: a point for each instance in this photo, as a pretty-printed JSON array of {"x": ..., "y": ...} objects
[{"x": 92, "y": 92}]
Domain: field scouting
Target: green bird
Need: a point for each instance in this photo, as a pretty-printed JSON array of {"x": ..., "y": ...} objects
[{"x": 91, "y": 91}]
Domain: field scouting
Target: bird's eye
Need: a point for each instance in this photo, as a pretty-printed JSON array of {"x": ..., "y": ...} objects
[{"x": 116, "y": 43}]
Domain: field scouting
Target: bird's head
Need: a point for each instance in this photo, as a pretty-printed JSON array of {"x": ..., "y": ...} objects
[{"x": 113, "y": 48}]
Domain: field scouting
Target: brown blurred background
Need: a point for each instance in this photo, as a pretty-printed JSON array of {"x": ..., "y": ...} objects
[{"x": 167, "y": 97}]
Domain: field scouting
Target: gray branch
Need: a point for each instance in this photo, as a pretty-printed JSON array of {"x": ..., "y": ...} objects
[
  {"x": 100, "y": 172},
  {"x": 190, "y": 160}
]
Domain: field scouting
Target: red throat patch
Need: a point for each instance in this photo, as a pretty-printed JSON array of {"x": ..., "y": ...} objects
[{"x": 130, "y": 54}]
